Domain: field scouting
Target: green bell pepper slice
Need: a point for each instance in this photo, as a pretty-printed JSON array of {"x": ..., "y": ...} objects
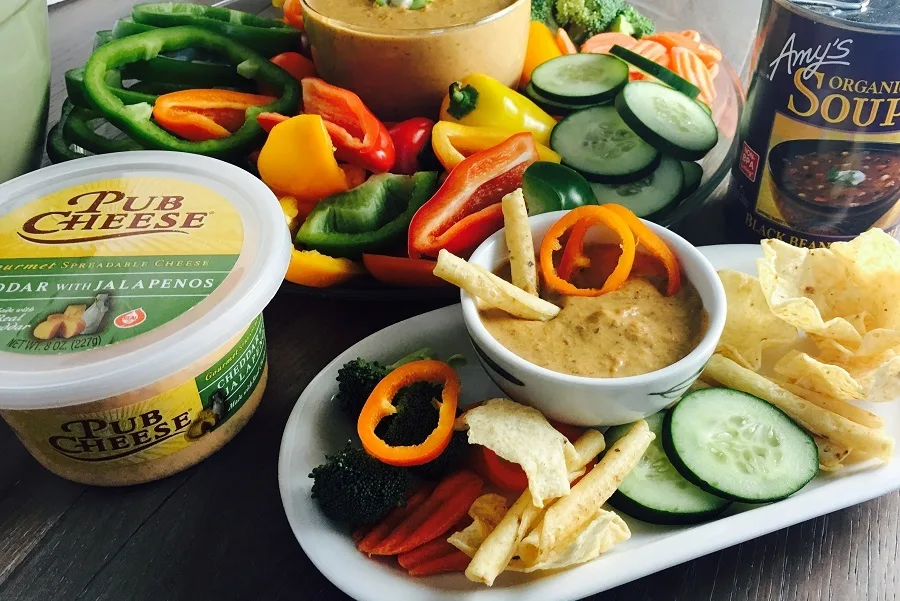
[
  {"x": 163, "y": 69},
  {"x": 267, "y": 36},
  {"x": 126, "y": 26},
  {"x": 134, "y": 119},
  {"x": 79, "y": 129},
  {"x": 59, "y": 150},
  {"x": 102, "y": 37},
  {"x": 74, "y": 79},
  {"x": 369, "y": 218},
  {"x": 553, "y": 187}
]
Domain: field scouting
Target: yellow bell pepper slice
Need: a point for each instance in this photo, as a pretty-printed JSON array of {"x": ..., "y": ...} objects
[
  {"x": 291, "y": 209},
  {"x": 312, "y": 268},
  {"x": 482, "y": 101},
  {"x": 542, "y": 47},
  {"x": 298, "y": 160},
  {"x": 453, "y": 142}
]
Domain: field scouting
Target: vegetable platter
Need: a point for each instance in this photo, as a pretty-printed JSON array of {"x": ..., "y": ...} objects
[{"x": 373, "y": 201}]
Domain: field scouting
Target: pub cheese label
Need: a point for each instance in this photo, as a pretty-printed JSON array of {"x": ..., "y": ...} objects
[{"x": 106, "y": 261}]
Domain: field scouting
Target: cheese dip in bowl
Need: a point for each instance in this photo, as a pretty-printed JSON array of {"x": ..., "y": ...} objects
[
  {"x": 132, "y": 287},
  {"x": 603, "y": 360},
  {"x": 401, "y": 61}
]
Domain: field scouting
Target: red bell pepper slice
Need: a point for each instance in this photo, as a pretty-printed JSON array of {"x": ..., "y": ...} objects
[
  {"x": 403, "y": 271},
  {"x": 294, "y": 63},
  {"x": 200, "y": 115},
  {"x": 293, "y": 14},
  {"x": 466, "y": 209},
  {"x": 358, "y": 136},
  {"x": 410, "y": 138},
  {"x": 269, "y": 120}
]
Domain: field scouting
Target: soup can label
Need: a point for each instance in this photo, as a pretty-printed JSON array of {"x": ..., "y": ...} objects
[{"x": 819, "y": 147}]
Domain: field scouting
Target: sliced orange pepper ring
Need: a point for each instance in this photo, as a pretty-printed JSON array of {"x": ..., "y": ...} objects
[
  {"x": 654, "y": 244},
  {"x": 381, "y": 405},
  {"x": 579, "y": 221}
]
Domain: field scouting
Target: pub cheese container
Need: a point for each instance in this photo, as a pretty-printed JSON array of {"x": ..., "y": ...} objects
[
  {"x": 819, "y": 141},
  {"x": 131, "y": 294}
]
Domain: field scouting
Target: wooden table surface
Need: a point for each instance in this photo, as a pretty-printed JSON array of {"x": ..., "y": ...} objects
[{"x": 218, "y": 531}]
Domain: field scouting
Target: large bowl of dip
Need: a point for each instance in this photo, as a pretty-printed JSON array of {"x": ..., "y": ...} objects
[
  {"x": 605, "y": 360},
  {"x": 132, "y": 287},
  {"x": 401, "y": 62}
]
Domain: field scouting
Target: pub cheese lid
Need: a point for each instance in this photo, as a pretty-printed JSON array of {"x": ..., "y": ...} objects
[{"x": 117, "y": 271}]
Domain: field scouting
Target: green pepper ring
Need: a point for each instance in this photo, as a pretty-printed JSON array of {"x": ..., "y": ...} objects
[
  {"x": 77, "y": 130},
  {"x": 135, "y": 120},
  {"x": 58, "y": 148}
]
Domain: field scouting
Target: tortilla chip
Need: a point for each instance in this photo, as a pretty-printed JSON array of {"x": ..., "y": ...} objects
[
  {"x": 497, "y": 549},
  {"x": 831, "y": 456},
  {"x": 598, "y": 537},
  {"x": 523, "y": 435},
  {"x": 571, "y": 514},
  {"x": 814, "y": 419},
  {"x": 878, "y": 385},
  {"x": 750, "y": 325},
  {"x": 486, "y": 512},
  {"x": 839, "y": 293}
]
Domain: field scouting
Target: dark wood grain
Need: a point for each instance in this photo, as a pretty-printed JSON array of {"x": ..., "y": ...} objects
[{"x": 217, "y": 531}]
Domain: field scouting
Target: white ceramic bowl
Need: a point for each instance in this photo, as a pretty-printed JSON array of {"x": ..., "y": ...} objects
[{"x": 587, "y": 401}]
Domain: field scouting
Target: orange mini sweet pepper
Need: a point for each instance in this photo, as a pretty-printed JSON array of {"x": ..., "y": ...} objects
[{"x": 200, "y": 115}]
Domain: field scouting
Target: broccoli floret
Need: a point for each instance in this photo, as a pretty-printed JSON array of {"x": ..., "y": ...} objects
[
  {"x": 448, "y": 461},
  {"x": 416, "y": 416},
  {"x": 358, "y": 378},
  {"x": 640, "y": 24},
  {"x": 586, "y": 18},
  {"x": 354, "y": 488},
  {"x": 542, "y": 11}
]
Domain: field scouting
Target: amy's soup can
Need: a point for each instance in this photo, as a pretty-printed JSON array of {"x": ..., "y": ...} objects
[{"x": 819, "y": 156}]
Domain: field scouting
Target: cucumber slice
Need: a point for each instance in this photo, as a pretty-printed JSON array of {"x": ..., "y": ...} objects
[
  {"x": 555, "y": 107},
  {"x": 668, "y": 120},
  {"x": 598, "y": 143},
  {"x": 655, "y": 492},
  {"x": 648, "y": 195},
  {"x": 581, "y": 78},
  {"x": 693, "y": 175},
  {"x": 739, "y": 447},
  {"x": 654, "y": 69}
]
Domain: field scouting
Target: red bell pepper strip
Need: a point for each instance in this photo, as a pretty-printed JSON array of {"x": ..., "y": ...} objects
[
  {"x": 358, "y": 136},
  {"x": 200, "y": 115},
  {"x": 466, "y": 209},
  {"x": 269, "y": 120},
  {"x": 504, "y": 474},
  {"x": 410, "y": 138},
  {"x": 449, "y": 502},
  {"x": 403, "y": 271},
  {"x": 374, "y": 536},
  {"x": 294, "y": 63}
]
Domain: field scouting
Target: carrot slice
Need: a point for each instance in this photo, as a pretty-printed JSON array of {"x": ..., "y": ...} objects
[
  {"x": 439, "y": 547},
  {"x": 689, "y": 66},
  {"x": 692, "y": 35},
  {"x": 603, "y": 42},
  {"x": 394, "y": 518},
  {"x": 651, "y": 50},
  {"x": 457, "y": 561},
  {"x": 565, "y": 43},
  {"x": 449, "y": 502},
  {"x": 710, "y": 55}
]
